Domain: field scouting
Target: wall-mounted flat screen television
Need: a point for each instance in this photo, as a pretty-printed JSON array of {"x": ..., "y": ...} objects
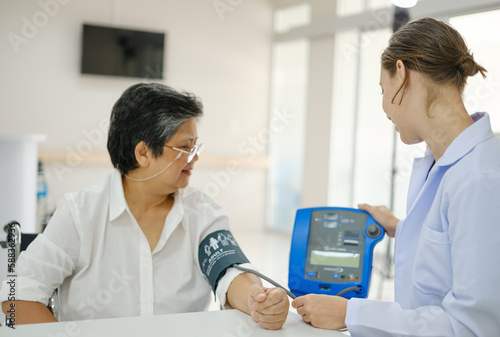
[{"x": 122, "y": 52}]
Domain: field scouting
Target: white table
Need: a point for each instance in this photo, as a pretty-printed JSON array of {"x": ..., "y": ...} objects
[{"x": 226, "y": 323}]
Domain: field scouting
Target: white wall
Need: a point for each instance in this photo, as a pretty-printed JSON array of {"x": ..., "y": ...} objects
[{"x": 223, "y": 57}]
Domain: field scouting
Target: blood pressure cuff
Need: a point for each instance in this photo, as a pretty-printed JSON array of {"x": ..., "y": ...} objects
[{"x": 217, "y": 252}]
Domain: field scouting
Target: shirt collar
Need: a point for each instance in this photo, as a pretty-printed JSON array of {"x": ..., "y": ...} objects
[
  {"x": 117, "y": 203},
  {"x": 476, "y": 133},
  {"x": 178, "y": 209}
]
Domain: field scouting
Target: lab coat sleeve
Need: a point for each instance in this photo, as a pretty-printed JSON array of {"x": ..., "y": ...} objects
[
  {"x": 471, "y": 307},
  {"x": 368, "y": 318}
]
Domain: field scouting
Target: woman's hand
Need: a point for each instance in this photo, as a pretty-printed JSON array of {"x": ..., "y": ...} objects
[
  {"x": 322, "y": 311},
  {"x": 268, "y": 306},
  {"x": 383, "y": 216}
]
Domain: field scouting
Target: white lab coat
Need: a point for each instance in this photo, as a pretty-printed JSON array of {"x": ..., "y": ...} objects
[{"x": 447, "y": 251}]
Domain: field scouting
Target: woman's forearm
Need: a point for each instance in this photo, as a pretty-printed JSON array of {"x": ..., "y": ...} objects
[
  {"x": 26, "y": 312},
  {"x": 237, "y": 294}
]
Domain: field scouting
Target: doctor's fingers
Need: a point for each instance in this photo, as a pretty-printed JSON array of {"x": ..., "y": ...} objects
[
  {"x": 305, "y": 315},
  {"x": 313, "y": 303},
  {"x": 324, "y": 317},
  {"x": 383, "y": 216},
  {"x": 303, "y": 306},
  {"x": 301, "y": 310},
  {"x": 298, "y": 301},
  {"x": 380, "y": 213}
]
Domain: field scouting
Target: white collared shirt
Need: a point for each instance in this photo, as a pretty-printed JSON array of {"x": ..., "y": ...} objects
[{"x": 95, "y": 252}]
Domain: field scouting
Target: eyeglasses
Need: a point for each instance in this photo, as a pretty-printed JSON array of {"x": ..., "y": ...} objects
[{"x": 195, "y": 151}]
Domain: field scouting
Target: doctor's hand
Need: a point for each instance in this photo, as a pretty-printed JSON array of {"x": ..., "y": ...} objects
[
  {"x": 322, "y": 311},
  {"x": 383, "y": 216},
  {"x": 268, "y": 306}
]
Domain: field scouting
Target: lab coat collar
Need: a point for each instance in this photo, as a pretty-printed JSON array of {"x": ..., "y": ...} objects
[
  {"x": 420, "y": 172},
  {"x": 468, "y": 139},
  {"x": 463, "y": 144},
  {"x": 118, "y": 204}
]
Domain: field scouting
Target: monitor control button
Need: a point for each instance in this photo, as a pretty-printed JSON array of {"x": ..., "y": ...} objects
[{"x": 373, "y": 231}]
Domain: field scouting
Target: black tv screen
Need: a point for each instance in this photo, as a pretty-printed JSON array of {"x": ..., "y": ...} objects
[{"x": 122, "y": 52}]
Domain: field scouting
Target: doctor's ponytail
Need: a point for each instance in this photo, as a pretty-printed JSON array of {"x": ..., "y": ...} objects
[{"x": 434, "y": 49}]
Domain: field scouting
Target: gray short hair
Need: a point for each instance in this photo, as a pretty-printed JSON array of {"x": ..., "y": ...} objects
[{"x": 148, "y": 112}]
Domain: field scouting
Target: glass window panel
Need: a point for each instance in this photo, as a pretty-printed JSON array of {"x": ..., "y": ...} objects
[
  {"x": 378, "y": 4},
  {"x": 290, "y": 17},
  {"x": 483, "y": 94},
  {"x": 373, "y": 153},
  {"x": 350, "y": 7},
  {"x": 344, "y": 97},
  {"x": 361, "y": 158},
  {"x": 286, "y": 148},
  {"x": 287, "y": 141}
]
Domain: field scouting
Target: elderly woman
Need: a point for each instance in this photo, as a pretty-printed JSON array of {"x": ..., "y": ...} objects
[{"x": 129, "y": 245}]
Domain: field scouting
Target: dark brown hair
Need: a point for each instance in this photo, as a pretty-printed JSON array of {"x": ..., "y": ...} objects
[{"x": 434, "y": 49}]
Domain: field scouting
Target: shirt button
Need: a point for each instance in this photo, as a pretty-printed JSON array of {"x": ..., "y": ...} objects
[
  {"x": 146, "y": 267},
  {"x": 147, "y": 297}
]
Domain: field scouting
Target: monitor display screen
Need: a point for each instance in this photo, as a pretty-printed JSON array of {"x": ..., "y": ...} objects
[
  {"x": 335, "y": 259},
  {"x": 122, "y": 52}
]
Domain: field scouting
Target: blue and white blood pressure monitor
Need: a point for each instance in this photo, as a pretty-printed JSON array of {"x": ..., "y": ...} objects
[{"x": 332, "y": 250}]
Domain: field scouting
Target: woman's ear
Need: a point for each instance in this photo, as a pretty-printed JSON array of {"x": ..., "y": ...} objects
[
  {"x": 401, "y": 71},
  {"x": 142, "y": 154}
]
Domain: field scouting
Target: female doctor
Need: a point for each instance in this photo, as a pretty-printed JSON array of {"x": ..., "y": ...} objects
[{"x": 448, "y": 246}]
